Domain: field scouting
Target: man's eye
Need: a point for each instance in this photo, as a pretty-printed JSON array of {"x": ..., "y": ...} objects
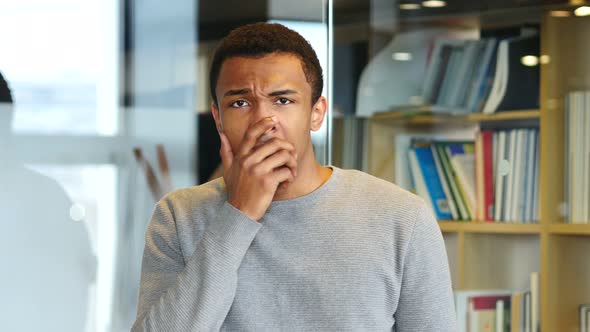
[
  {"x": 239, "y": 103},
  {"x": 284, "y": 101}
]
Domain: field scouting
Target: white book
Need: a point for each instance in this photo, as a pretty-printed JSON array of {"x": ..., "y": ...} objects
[
  {"x": 508, "y": 199},
  {"x": 419, "y": 181},
  {"x": 500, "y": 316},
  {"x": 530, "y": 176},
  {"x": 536, "y": 181},
  {"x": 402, "y": 174},
  {"x": 500, "y": 79},
  {"x": 517, "y": 212},
  {"x": 500, "y": 177},
  {"x": 534, "y": 302}
]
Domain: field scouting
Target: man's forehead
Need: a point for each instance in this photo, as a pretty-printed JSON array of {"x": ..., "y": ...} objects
[{"x": 272, "y": 72}]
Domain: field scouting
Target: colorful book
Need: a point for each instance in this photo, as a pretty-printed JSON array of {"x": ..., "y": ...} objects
[
  {"x": 451, "y": 181},
  {"x": 424, "y": 171}
]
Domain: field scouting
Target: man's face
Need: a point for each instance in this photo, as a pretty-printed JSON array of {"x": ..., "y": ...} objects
[{"x": 250, "y": 89}]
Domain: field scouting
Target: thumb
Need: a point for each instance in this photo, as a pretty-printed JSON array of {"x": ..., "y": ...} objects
[{"x": 227, "y": 156}]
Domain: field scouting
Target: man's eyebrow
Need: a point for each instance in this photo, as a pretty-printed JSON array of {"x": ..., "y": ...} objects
[
  {"x": 236, "y": 92},
  {"x": 282, "y": 92}
]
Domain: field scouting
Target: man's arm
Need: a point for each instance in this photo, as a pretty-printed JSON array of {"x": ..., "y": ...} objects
[
  {"x": 195, "y": 295},
  {"x": 426, "y": 298}
]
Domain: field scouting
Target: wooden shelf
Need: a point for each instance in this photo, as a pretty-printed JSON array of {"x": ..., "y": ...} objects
[
  {"x": 425, "y": 116},
  {"x": 489, "y": 227},
  {"x": 570, "y": 229}
]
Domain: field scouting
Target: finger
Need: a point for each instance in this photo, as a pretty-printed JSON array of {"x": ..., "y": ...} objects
[
  {"x": 227, "y": 156},
  {"x": 283, "y": 175},
  {"x": 269, "y": 148},
  {"x": 277, "y": 160},
  {"x": 254, "y": 133}
]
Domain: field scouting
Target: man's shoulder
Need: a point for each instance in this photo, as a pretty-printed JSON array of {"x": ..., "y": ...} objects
[
  {"x": 378, "y": 190},
  {"x": 205, "y": 195}
]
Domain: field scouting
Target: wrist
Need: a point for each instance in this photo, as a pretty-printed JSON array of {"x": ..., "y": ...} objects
[{"x": 247, "y": 212}]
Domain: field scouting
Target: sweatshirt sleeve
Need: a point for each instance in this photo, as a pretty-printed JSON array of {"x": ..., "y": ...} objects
[
  {"x": 426, "y": 298},
  {"x": 196, "y": 294}
]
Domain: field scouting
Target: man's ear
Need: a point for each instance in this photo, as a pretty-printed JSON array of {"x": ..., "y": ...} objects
[
  {"x": 318, "y": 113},
  {"x": 217, "y": 117}
]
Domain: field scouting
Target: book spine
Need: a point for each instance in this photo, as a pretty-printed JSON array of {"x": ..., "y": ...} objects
[{"x": 488, "y": 183}]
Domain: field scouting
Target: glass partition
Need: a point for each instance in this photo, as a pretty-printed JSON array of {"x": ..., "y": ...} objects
[{"x": 104, "y": 112}]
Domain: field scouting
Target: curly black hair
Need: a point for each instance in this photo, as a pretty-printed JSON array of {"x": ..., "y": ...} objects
[
  {"x": 260, "y": 39},
  {"x": 5, "y": 95}
]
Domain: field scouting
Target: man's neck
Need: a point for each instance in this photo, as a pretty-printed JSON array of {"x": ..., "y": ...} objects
[{"x": 311, "y": 176}]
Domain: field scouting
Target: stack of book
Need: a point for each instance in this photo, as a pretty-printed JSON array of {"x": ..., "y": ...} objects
[
  {"x": 577, "y": 147},
  {"x": 443, "y": 173},
  {"x": 493, "y": 179},
  {"x": 508, "y": 175},
  {"x": 486, "y": 75},
  {"x": 499, "y": 310}
]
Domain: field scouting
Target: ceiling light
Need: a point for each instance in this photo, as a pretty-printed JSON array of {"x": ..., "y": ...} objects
[
  {"x": 529, "y": 60},
  {"x": 434, "y": 3},
  {"x": 582, "y": 11},
  {"x": 409, "y": 6},
  {"x": 560, "y": 13},
  {"x": 402, "y": 56}
]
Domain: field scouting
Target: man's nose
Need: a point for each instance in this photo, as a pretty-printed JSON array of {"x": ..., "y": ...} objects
[{"x": 261, "y": 111}]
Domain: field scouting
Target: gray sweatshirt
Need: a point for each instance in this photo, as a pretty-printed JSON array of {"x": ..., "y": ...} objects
[{"x": 357, "y": 254}]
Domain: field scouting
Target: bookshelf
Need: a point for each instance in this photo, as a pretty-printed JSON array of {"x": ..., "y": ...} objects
[{"x": 484, "y": 255}]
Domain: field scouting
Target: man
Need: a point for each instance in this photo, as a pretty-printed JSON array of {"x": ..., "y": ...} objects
[{"x": 281, "y": 242}]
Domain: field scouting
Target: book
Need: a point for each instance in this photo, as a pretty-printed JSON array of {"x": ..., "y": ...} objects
[
  {"x": 584, "y": 317},
  {"x": 452, "y": 182},
  {"x": 529, "y": 174},
  {"x": 444, "y": 182},
  {"x": 516, "y": 311},
  {"x": 462, "y": 304},
  {"x": 500, "y": 176},
  {"x": 527, "y": 311},
  {"x": 518, "y": 206},
  {"x": 509, "y": 190},
  {"x": 437, "y": 68},
  {"x": 479, "y": 177},
  {"x": 534, "y": 280},
  {"x": 482, "y": 311},
  {"x": 482, "y": 79},
  {"x": 502, "y": 320},
  {"x": 462, "y": 159},
  {"x": 487, "y": 143},
  {"x": 427, "y": 181}
]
